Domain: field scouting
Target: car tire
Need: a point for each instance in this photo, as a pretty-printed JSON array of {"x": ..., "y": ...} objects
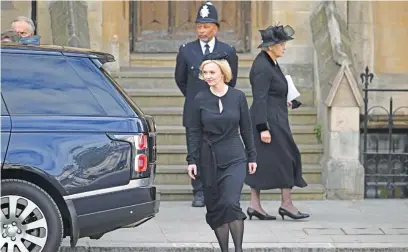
[{"x": 44, "y": 220}]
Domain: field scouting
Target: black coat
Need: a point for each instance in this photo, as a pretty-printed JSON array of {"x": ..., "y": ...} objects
[
  {"x": 188, "y": 63},
  {"x": 279, "y": 162}
]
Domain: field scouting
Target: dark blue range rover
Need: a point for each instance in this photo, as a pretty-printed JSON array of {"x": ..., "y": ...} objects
[{"x": 77, "y": 155}]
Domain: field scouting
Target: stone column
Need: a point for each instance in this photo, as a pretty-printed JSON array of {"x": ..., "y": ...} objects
[
  {"x": 44, "y": 22},
  {"x": 115, "y": 29},
  {"x": 261, "y": 18},
  {"x": 361, "y": 30},
  {"x": 95, "y": 20},
  {"x": 343, "y": 174}
]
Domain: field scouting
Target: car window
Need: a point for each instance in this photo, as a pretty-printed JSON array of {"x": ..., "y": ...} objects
[
  {"x": 125, "y": 95},
  {"x": 3, "y": 108},
  {"x": 107, "y": 96},
  {"x": 44, "y": 85}
]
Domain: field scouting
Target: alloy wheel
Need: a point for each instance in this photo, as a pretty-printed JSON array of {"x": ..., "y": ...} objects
[{"x": 23, "y": 225}]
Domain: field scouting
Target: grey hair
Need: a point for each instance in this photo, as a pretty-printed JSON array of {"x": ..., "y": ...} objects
[{"x": 25, "y": 19}]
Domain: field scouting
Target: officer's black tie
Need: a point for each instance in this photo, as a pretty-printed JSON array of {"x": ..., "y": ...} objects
[{"x": 207, "y": 49}]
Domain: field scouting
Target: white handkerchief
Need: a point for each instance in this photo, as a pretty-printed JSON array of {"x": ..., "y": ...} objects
[{"x": 293, "y": 93}]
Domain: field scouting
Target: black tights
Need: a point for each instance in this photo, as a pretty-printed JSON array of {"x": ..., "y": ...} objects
[{"x": 237, "y": 233}]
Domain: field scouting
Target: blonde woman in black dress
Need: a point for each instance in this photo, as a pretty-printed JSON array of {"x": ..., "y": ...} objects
[{"x": 220, "y": 118}]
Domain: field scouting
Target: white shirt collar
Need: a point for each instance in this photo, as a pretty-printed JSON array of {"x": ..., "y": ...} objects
[{"x": 211, "y": 43}]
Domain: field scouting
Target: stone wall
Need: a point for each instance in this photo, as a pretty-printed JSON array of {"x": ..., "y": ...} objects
[
  {"x": 12, "y": 9},
  {"x": 390, "y": 22},
  {"x": 379, "y": 34},
  {"x": 390, "y": 19}
]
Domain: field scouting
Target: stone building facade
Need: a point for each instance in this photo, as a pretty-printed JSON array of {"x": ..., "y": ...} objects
[
  {"x": 380, "y": 26},
  {"x": 377, "y": 28}
]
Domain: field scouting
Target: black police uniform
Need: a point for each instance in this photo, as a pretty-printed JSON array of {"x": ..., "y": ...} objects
[{"x": 187, "y": 71}]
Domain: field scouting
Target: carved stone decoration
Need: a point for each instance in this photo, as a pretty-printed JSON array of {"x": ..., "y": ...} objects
[
  {"x": 69, "y": 23},
  {"x": 340, "y": 104}
]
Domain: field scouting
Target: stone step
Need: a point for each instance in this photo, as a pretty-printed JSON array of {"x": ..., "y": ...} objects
[
  {"x": 172, "y": 116},
  {"x": 184, "y": 192},
  {"x": 176, "y": 154},
  {"x": 169, "y": 59},
  {"x": 172, "y": 97},
  {"x": 177, "y": 174},
  {"x": 163, "y": 78},
  {"x": 175, "y": 135}
]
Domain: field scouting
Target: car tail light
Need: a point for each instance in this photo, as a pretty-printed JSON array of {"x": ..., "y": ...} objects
[
  {"x": 142, "y": 142},
  {"x": 140, "y": 166},
  {"x": 141, "y": 159},
  {"x": 142, "y": 163}
]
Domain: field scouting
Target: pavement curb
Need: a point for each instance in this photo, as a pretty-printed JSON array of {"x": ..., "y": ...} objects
[{"x": 248, "y": 247}]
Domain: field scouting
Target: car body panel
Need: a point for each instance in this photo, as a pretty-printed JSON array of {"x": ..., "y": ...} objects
[{"x": 65, "y": 116}]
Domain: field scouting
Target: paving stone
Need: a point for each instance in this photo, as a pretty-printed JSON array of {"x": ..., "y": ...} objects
[
  {"x": 300, "y": 237},
  {"x": 368, "y": 225},
  {"x": 324, "y": 231},
  {"x": 395, "y": 231},
  {"x": 363, "y": 231},
  {"x": 389, "y": 239}
]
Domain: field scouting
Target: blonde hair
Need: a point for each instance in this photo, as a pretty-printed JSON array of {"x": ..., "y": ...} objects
[{"x": 222, "y": 64}]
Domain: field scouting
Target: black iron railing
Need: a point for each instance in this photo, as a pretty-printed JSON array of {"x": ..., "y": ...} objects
[{"x": 385, "y": 146}]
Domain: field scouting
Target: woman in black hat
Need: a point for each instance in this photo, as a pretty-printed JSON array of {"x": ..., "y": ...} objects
[
  {"x": 278, "y": 157},
  {"x": 219, "y": 118}
]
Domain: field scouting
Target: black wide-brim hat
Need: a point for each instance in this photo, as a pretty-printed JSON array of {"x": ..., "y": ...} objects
[
  {"x": 207, "y": 13},
  {"x": 275, "y": 35}
]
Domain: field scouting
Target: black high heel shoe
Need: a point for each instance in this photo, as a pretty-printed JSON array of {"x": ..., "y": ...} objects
[
  {"x": 296, "y": 216},
  {"x": 252, "y": 212}
]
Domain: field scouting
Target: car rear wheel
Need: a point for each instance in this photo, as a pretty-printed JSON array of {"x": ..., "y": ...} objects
[{"x": 30, "y": 219}]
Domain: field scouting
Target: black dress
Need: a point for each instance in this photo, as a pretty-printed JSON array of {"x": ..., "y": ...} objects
[
  {"x": 279, "y": 162},
  {"x": 216, "y": 147}
]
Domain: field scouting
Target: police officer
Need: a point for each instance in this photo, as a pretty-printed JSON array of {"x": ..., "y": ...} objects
[{"x": 187, "y": 70}]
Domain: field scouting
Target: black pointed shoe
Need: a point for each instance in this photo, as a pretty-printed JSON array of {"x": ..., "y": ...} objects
[
  {"x": 252, "y": 212},
  {"x": 295, "y": 216}
]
